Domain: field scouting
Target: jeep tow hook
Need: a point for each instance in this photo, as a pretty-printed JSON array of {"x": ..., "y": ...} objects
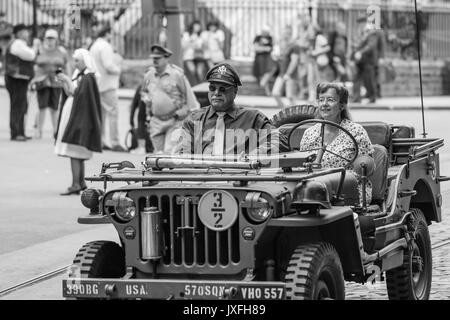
[
  {"x": 110, "y": 290},
  {"x": 230, "y": 293}
]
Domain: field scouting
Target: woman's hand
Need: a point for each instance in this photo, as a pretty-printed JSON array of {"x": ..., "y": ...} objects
[{"x": 61, "y": 77}]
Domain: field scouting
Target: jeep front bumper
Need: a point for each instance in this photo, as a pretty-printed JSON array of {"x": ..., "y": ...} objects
[{"x": 171, "y": 289}]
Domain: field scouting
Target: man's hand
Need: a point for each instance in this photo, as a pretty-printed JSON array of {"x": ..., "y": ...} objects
[
  {"x": 145, "y": 97},
  {"x": 358, "y": 56}
]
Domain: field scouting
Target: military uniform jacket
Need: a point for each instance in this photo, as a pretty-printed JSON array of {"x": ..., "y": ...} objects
[{"x": 243, "y": 127}]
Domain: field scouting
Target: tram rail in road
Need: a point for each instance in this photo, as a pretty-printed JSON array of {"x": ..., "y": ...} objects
[{"x": 57, "y": 272}]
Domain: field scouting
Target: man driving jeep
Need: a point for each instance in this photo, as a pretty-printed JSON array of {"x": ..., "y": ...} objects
[{"x": 224, "y": 128}]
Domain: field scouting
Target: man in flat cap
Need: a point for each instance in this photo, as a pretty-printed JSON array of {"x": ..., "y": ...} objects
[
  {"x": 169, "y": 99},
  {"x": 225, "y": 128},
  {"x": 19, "y": 64}
]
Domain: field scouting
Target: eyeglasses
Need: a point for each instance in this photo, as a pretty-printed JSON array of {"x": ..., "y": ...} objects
[
  {"x": 213, "y": 88},
  {"x": 328, "y": 100}
]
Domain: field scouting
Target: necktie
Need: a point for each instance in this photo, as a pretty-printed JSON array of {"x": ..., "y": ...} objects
[{"x": 219, "y": 134}]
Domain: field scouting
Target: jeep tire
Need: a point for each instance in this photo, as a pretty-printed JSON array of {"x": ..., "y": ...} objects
[
  {"x": 412, "y": 280},
  {"x": 294, "y": 114},
  {"x": 315, "y": 272},
  {"x": 99, "y": 259}
]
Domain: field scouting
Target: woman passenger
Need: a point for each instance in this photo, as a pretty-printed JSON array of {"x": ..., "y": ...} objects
[{"x": 332, "y": 100}]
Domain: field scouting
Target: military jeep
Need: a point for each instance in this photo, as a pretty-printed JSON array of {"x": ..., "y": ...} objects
[{"x": 270, "y": 227}]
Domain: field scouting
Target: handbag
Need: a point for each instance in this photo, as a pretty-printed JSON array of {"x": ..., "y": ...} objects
[{"x": 131, "y": 140}]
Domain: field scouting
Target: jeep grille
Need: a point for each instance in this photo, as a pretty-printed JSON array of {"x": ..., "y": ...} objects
[{"x": 186, "y": 239}]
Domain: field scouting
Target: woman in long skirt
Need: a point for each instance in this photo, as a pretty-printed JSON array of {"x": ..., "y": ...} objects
[{"x": 79, "y": 128}]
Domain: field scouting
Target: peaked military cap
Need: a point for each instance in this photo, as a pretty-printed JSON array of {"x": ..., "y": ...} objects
[
  {"x": 158, "y": 51},
  {"x": 225, "y": 73}
]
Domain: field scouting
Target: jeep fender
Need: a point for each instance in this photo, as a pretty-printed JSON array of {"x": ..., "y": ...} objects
[
  {"x": 338, "y": 226},
  {"x": 417, "y": 186}
]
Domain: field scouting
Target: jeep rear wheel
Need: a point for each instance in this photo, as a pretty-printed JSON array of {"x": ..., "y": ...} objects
[
  {"x": 315, "y": 272},
  {"x": 99, "y": 259},
  {"x": 412, "y": 280}
]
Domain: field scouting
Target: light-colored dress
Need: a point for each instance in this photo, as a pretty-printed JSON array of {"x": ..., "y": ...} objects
[
  {"x": 343, "y": 146},
  {"x": 66, "y": 149}
]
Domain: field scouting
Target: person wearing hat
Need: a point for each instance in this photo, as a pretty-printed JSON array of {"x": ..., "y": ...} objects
[
  {"x": 213, "y": 130},
  {"x": 109, "y": 67},
  {"x": 51, "y": 57},
  {"x": 365, "y": 57},
  {"x": 169, "y": 99},
  {"x": 19, "y": 64}
]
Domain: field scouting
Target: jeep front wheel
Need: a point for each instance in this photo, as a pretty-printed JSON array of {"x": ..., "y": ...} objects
[
  {"x": 315, "y": 272},
  {"x": 412, "y": 280},
  {"x": 99, "y": 259}
]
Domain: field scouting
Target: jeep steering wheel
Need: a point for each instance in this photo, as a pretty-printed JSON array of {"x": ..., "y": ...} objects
[{"x": 323, "y": 147}]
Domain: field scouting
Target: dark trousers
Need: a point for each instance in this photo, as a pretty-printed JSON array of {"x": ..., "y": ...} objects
[
  {"x": 17, "y": 89},
  {"x": 142, "y": 127},
  {"x": 365, "y": 75},
  {"x": 377, "y": 77}
]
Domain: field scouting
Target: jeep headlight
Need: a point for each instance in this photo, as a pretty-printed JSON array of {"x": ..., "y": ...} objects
[
  {"x": 258, "y": 208},
  {"x": 126, "y": 210},
  {"x": 124, "y": 207}
]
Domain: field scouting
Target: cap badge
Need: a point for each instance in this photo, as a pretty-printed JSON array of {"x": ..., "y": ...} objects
[{"x": 222, "y": 70}]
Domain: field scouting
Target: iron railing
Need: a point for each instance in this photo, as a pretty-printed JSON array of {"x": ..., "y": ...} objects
[{"x": 133, "y": 32}]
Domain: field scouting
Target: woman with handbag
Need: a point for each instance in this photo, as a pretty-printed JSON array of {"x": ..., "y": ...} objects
[{"x": 50, "y": 58}]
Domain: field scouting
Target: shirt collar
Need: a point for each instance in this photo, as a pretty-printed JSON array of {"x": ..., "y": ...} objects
[
  {"x": 232, "y": 112},
  {"x": 168, "y": 71}
]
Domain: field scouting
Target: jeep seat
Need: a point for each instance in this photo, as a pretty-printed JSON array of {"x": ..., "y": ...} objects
[
  {"x": 379, "y": 176},
  {"x": 380, "y": 134}
]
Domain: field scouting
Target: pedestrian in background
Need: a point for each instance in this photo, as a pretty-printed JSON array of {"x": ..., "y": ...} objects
[
  {"x": 51, "y": 57},
  {"x": 109, "y": 68},
  {"x": 263, "y": 65},
  {"x": 338, "y": 52},
  {"x": 381, "y": 47},
  {"x": 287, "y": 79},
  {"x": 6, "y": 31},
  {"x": 319, "y": 67},
  {"x": 215, "y": 43},
  {"x": 144, "y": 144},
  {"x": 194, "y": 46},
  {"x": 365, "y": 57},
  {"x": 169, "y": 99},
  {"x": 19, "y": 70},
  {"x": 302, "y": 39},
  {"x": 80, "y": 122}
]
